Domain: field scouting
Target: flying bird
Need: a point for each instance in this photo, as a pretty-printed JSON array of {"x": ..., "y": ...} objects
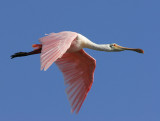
[{"x": 66, "y": 50}]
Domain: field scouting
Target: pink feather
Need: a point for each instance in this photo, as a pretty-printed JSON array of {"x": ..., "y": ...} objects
[
  {"x": 77, "y": 67},
  {"x": 81, "y": 76}
]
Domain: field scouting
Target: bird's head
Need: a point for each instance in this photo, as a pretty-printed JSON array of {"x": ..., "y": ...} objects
[{"x": 115, "y": 48}]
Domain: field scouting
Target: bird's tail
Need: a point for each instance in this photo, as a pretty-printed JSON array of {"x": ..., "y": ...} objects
[{"x": 35, "y": 51}]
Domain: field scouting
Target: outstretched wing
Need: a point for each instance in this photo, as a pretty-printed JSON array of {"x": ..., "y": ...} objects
[
  {"x": 54, "y": 46},
  {"x": 78, "y": 70}
]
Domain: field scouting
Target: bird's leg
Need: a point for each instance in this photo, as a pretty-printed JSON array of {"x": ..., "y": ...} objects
[{"x": 35, "y": 51}]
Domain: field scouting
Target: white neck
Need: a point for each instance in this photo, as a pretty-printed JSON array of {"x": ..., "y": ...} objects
[
  {"x": 89, "y": 44},
  {"x": 99, "y": 47}
]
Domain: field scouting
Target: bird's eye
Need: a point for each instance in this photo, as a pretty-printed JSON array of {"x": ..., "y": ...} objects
[{"x": 112, "y": 45}]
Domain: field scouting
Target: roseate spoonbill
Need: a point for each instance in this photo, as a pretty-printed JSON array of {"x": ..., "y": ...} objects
[{"x": 66, "y": 50}]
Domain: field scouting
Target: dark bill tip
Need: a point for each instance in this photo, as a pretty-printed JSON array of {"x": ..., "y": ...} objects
[{"x": 139, "y": 50}]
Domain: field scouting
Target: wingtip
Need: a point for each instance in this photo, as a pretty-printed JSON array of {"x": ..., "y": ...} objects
[
  {"x": 42, "y": 69},
  {"x": 72, "y": 111},
  {"x": 45, "y": 69}
]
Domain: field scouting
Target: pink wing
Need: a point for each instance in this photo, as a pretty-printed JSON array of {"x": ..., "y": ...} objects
[
  {"x": 54, "y": 46},
  {"x": 78, "y": 70}
]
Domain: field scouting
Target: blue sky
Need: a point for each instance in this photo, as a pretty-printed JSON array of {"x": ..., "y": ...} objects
[{"x": 126, "y": 85}]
